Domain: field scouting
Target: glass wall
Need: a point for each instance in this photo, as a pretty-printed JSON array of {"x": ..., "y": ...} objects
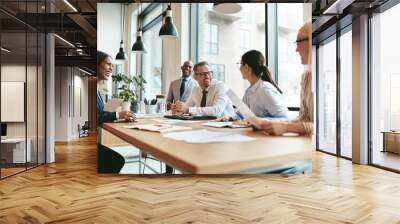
[
  {"x": 385, "y": 89},
  {"x": 22, "y": 93},
  {"x": 334, "y": 100},
  {"x": 346, "y": 93},
  {"x": 223, "y": 38},
  {"x": 327, "y": 96}
]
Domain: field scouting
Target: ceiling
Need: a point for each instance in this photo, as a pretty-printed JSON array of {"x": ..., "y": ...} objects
[{"x": 78, "y": 26}]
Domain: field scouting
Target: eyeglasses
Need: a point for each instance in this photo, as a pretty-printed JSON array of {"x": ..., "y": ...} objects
[
  {"x": 300, "y": 40},
  {"x": 204, "y": 74},
  {"x": 238, "y": 64}
]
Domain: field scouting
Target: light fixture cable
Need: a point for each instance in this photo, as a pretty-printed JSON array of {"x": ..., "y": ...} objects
[{"x": 121, "y": 56}]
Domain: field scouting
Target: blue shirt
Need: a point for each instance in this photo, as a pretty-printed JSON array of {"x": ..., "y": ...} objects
[{"x": 264, "y": 100}]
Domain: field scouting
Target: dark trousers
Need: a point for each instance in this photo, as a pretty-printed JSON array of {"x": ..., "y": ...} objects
[
  {"x": 108, "y": 161},
  {"x": 168, "y": 169}
]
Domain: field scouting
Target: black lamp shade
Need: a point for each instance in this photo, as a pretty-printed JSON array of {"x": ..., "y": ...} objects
[
  {"x": 168, "y": 29},
  {"x": 121, "y": 54},
  {"x": 138, "y": 46}
]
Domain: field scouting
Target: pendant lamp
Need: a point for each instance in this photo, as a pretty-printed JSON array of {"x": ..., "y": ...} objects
[
  {"x": 121, "y": 56},
  {"x": 139, "y": 47},
  {"x": 168, "y": 29},
  {"x": 227, "y": 8}
]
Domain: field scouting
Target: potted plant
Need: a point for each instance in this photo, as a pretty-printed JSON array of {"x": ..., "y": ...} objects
[
  {"x": 128, "y": 89},
  {"x": 139, "y": 82},
  {"x": 127, "y": 95}
]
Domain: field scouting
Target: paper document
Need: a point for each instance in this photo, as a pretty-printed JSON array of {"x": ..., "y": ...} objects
[
  {"x": 169, "y": 121},
  {"x": 157, "y": 127},
  {"x": 243, "y": 109},
  {"x": 205, "y": 136},
  {"x": 112, "y": 105},
  {"x": 224, "y": 125}
]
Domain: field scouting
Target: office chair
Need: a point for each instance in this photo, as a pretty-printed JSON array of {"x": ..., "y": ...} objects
[{"x": 84, "y": 130}]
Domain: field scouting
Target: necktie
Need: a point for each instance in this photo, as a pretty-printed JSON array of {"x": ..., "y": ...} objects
[
  {"x": 182, "y": 90},
  {"x": 203, "y": 99}
]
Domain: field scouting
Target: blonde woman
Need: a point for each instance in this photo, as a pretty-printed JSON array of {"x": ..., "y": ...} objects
[{"x": 303, "y": 124}]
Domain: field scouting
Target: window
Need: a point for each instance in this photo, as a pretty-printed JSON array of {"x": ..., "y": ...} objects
[
  {"x": 218, "y": 72},
  {"x": 228, "y": 31},
  {"x": 327, "y": 96},
  {"x": 244, "y": 41},
  {"x": 244, "y": 15},
  {"x": 286, "y": 65},
  {"x": 152, "y": 60},
  {"x": 346, "y": 94},
  {"x": 385, "y": 87},
  {"x": 211, "y": 38}
]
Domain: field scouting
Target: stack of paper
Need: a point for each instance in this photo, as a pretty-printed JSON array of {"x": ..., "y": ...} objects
[
  {"x": 205, "y": 136},
  {"x": 158, "y": 127}
]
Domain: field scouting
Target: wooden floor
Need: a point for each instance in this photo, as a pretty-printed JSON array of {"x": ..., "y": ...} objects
[
  {"x": 386, "y": 159},
  {"x": 70, "y": 191}
]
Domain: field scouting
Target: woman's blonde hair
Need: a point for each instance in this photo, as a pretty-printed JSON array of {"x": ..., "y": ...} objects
[{"x": 306, "y": 32}]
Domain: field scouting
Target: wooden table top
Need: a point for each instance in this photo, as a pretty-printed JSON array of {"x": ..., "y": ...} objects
[{"x": 216, "y": 158}]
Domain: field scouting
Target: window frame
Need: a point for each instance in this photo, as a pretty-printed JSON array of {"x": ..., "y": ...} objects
[
  {"x": 217, "y": 66},
  {"x": 146, "y": 27},
  {"x": 333, "y": 37},
  {"x": 209, "y": 49}
]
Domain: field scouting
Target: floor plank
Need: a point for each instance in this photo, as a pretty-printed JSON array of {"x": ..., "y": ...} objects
[{"x": 70, "y": 191}]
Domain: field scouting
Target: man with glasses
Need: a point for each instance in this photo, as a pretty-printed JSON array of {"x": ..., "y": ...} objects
[
  {"x": 180, "y": 89},
  {"x": 208, "y": 98}
]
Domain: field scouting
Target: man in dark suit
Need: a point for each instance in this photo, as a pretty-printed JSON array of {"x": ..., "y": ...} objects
[{"x": 108, "y": 161}]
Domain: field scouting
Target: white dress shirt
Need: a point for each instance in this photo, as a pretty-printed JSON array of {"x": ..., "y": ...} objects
[
  {"x": 217, "y": 104},
  {"x": 265, "y": 101}
]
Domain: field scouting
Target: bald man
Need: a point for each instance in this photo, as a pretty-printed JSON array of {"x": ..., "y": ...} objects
[{"x": 181, "y": 88}]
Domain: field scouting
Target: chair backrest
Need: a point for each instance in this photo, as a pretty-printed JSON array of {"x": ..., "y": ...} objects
[{"x": 86, "y": 125}]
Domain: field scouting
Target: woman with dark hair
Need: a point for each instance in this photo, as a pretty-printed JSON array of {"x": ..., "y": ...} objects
[
  {"x": 104, "y": 71},
  {"x": 108, "y": 161},
  {"x": 263, "y": 97}
]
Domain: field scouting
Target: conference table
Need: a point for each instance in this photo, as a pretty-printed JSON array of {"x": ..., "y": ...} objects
[{"x": 218, "y": 157}]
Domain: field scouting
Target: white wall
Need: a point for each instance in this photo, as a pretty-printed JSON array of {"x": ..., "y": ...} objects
[
  {"x": 33, "y": 127},
  {"x": 16, "y": 73},
  {"x": 108, "y": 27},
  {"x": 70, "y": 81}
]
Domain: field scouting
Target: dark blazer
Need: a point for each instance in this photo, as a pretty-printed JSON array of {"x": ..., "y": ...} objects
[
  {"x": 108, "y": 161},
  {"x": 103, "y": 116}
]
